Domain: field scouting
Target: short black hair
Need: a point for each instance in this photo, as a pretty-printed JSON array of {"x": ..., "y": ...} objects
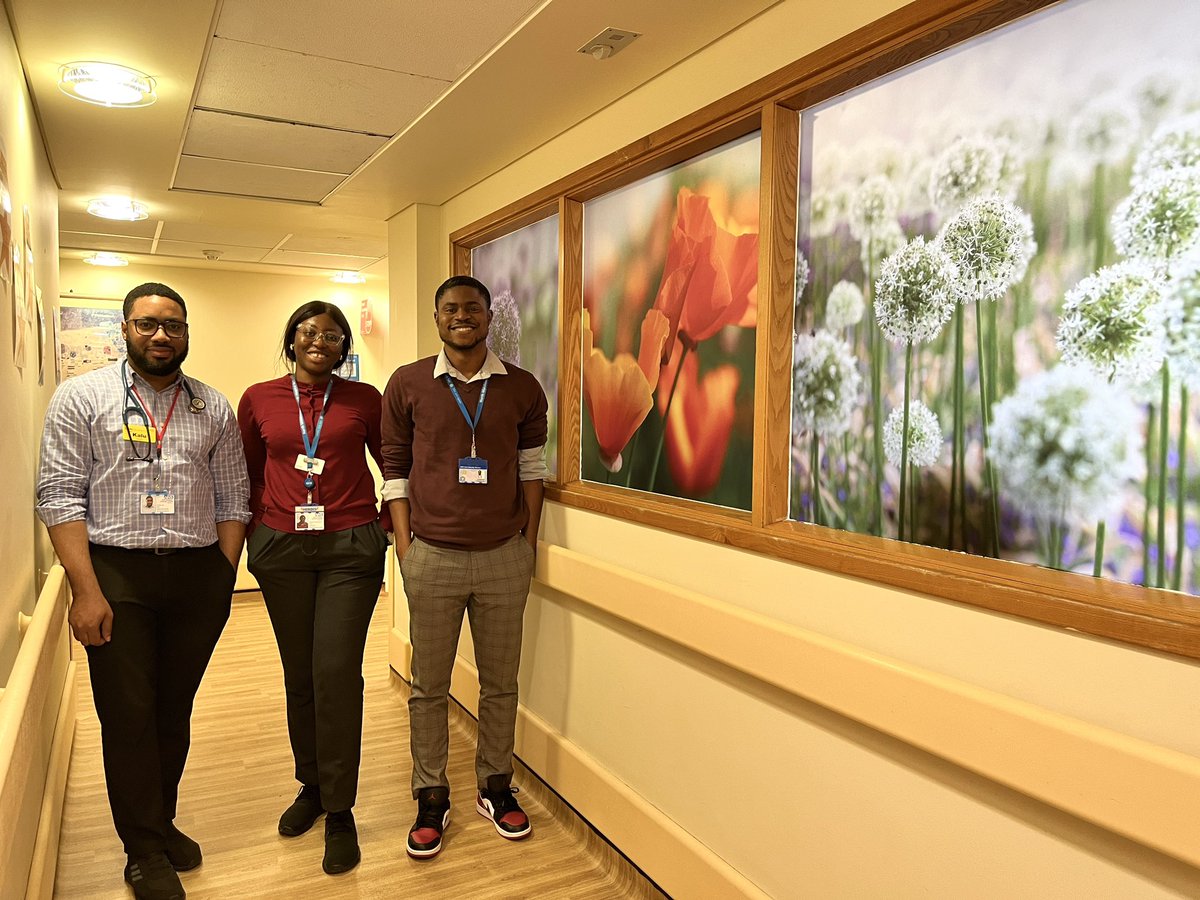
[
  {"x": 307, "y": 311},
  {"x": 151, "y": 289},
  {"x": 462, "y": 281}
]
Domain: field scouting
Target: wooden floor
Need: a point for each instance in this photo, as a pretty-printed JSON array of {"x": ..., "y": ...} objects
[{"x": 239, "y": 779}]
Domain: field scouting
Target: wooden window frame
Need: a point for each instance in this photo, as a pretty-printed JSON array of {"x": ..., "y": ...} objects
[{"x": 1145, "y": 617}]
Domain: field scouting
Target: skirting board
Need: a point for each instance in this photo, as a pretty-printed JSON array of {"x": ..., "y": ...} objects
[
  {"x": 45, "y": 849},
  {"x": 676, "y": 860}
]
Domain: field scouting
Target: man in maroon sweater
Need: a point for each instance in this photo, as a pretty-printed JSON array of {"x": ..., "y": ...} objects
[{"x": 464, "y": 438}]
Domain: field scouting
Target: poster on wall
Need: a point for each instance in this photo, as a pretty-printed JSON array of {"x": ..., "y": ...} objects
[
  {"x": 998, "y": 298},
  {"x": 6, "y": 237},
  {"x": 27, "y": 304},
  {"x": 670, "y": 268},
  {"x": 17, "y": 298},
  {"x": 41, "y": 337},
  {"x": 87, "y": 337},
  {"x": 521, "y": 272},
  {"x": 351, "y": 369}
]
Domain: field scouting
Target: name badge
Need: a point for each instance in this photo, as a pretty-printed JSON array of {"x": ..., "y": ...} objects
[
  {"x": 141, "y": 434},
  {"x": 156, "y": 503},
  {"x": 472, "y": 470},
  {"x": 313, "y": 464},
  {"x": 310, "y": 518}
]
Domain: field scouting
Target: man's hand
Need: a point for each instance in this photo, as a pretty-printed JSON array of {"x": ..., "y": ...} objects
[
  {"x": 403, "y": 542},
  {"x": 91, "y": 619}
]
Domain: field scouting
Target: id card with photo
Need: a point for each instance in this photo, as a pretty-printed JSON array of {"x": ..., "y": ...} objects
[
  {"x": 472, "y": 470},
  {"x": 310, "y": 518},
  {"x": 156, "y": 503}
]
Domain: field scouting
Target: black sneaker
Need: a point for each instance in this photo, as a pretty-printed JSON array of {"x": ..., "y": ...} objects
[
  {"x": 304, "y": 811},
  {"x": 341, "y": 843},
  {"x": 153, "y": 878},
  {"x": 182, "y": 852},
  {"x": 496, "y": 802},
  {"x": 433, "y": 815}
]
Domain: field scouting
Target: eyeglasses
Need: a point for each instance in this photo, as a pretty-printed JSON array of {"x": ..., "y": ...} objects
[
  {"x": 332, "y": 338},
  {"x": 148, "y": 327}
]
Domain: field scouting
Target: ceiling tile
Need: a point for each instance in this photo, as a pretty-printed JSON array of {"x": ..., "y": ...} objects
[
  {"x": 293, "y": 87},
  {"x": 248, "y": 180},
  {"x": 339, "y": 244},
  {"x": 225, "y": 136},
  {"x": 438, "y": 38},
  {"x": 319, "y": 260},
  {"x": 194, "y": 250},
  {"x": 78, "y": 240},
  {"x": 211, "y": 234},
  {"x": 74, "y": 220}
]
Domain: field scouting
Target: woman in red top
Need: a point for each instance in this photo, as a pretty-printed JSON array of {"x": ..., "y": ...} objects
[{"x": 317, "y": 548}]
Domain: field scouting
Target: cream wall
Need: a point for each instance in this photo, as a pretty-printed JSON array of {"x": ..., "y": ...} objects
[
  {"x": 32, "y": 187},
  {"x": 794, "y": 799}
]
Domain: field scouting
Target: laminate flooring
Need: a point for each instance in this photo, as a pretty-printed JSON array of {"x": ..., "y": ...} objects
[{"x": 239, "y": 779}]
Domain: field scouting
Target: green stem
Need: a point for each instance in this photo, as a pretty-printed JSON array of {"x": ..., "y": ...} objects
[
  {"x": 900, "y": 521},
  {"x": 666, "y": 416},
  {"x": 1098, "y": 565},
  {"x": 815, "y": 465},
  {"x": 1148, "y": 490},
  {"x": 989, "y": 474},
  {"x": 956, "y": 468},
  {"x": 1164, "y": 434},
  {"x": 877, "y": 346},
  {"x": 1181, "y": 491}
]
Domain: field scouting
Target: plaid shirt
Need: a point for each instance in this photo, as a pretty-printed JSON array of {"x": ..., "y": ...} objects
[{"x": 86, "y": 473}]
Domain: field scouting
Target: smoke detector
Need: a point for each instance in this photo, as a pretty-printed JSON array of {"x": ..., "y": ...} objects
[
  {"x": 211, "y": 255},
  {"x": 609, "y": 42}
]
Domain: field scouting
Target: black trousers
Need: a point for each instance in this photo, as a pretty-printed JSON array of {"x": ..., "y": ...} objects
[
  {"x": 320, "y": 590},
  {"x": 168, "y": 612}
]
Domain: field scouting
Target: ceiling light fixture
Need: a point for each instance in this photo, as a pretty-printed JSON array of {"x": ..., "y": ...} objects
[
  {"x": 122, "y": 208},
  {"x": 106, "y": 84},
  {"x": 348, "y": 278},
  {"x": 105, "y": 259}
]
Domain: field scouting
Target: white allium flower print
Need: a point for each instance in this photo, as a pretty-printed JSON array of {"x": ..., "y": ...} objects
[
  {"x": 1065, "y": 444},
  {"x": 844, "y": 306},
  {"x": 872, "y": 207},
  {"x": 924, "y": 435},
  {"x": 990, "y": 241},
  {"x": 1183, "y": 320},
  {"x": 504, "y": 334},
  {"x": 914, "y": 296},
  {"x": 1174, "y": 145},
  {"x": 1160, "y": 218},
  {"x": 1113, "y": 322},
  {"x": 1104, "y": 129},
  {"x": 968, "y": 168},
  {"x": 826, "y": 384}
]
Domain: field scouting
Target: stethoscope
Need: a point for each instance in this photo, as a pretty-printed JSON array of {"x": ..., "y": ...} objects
[{"x": 133, "y": 407}]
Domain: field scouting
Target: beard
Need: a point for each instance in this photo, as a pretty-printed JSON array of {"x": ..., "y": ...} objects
[{"x": 156, "y": 367}]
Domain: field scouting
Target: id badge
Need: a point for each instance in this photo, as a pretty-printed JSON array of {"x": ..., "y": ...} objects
[
  {"x": 472, "y": 470},
  {"x": 310, "y": 518},
  {"x": 140, "y": 434},
  {"x": 156, "y": 503},
  {"x": 313, "y": 464}
]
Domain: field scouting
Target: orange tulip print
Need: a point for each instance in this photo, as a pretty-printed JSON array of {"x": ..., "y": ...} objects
[
  {"x": 618, "y": 392},
  {"x": 699, "y": 425},
  {"x": 710, "y": 276}
]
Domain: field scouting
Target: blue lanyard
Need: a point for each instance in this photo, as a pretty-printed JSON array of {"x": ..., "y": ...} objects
[
  {"x": 310, "y": 450},
  {"x": 474, "y": 423}
]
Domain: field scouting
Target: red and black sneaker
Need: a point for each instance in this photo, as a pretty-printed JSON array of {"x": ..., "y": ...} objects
[
  {"x": 433, "y": 815},
  {"x": 496, "y": 802}
]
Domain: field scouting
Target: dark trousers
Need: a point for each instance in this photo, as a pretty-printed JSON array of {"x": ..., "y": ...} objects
[
  {"x": 168, "y": 612},
  {"x": 320, "y": 590}
]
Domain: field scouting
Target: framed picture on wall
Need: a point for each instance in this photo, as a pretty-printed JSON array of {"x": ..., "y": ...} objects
[{"x": 88, "y": 337}]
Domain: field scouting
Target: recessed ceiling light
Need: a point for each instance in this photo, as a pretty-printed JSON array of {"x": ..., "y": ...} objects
[
  {"x": 348, "y": 278},
  {"x": 105, "y": 259},
  {"x": 122, "y": 208},
  {"x": 106, "y": 84}
]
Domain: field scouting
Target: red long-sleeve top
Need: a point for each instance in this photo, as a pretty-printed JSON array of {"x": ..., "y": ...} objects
[{"x": 270, "y": 426}]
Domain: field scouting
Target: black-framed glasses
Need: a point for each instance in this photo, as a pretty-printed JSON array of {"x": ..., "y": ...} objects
[
  {"x": 310, "y": 334},
  {"x": 147, "y": 327}
]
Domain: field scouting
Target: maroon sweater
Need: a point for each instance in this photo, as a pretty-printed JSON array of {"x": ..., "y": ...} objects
[
  {"x": 425, "y": 435},
  {"x": 271, "y": 435}
]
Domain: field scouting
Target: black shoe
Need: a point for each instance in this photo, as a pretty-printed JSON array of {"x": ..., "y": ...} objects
[
  {"x": 153, "y": 878},
  {"x": 304, "y": 811},
  {"x": 182, "y": 852},
  {"x": 341, "y": 843},
  {"x": 496, "y": 802},
  {"x": 433, "y": 815}
]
